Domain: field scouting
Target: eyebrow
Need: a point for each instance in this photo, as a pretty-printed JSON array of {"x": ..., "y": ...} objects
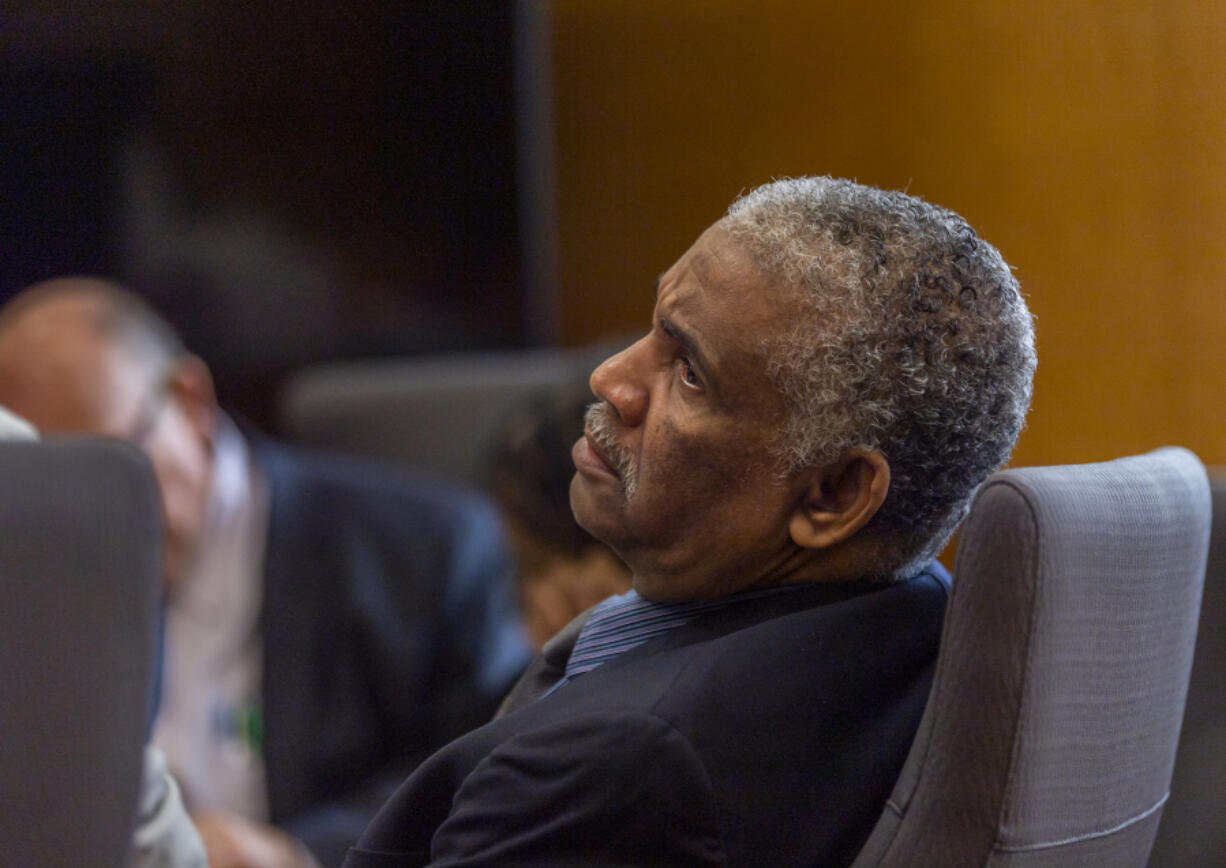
[
  {"x": 692, "y": 349},
  {"x": 678, "y": 334}
]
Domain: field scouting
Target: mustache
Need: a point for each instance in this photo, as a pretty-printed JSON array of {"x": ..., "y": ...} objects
[{"x": 601, "y": 423}]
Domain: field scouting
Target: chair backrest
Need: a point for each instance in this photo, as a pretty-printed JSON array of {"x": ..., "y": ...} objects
[
  {"x": 437, "y": 414},
  {"x": 1050, "y": 732},
  {"x": 1192, "y": 833},
  {"x": 80, "y": 570}
]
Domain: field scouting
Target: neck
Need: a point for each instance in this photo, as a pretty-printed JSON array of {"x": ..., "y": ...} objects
[{"x": 794, "y": 565}]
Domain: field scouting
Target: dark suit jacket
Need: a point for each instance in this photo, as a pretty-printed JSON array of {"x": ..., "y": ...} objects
[
  {"x": 769, "y": 733},
  {"x": 389, "y": 628}
]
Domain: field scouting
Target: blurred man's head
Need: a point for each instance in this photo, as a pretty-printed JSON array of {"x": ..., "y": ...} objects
[
  {"x": 84, "y": 356},
  {"x": 831, "y": 372}
]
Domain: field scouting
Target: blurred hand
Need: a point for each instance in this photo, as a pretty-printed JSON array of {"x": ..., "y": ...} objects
[{"x": 232, "y": 842}]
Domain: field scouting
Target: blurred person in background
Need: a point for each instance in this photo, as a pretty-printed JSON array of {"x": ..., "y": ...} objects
[
  {"x": 561, "y": 569},
  {"x": 328, "y": 622}
]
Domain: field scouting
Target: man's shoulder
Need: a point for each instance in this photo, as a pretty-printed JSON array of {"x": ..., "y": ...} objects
[
  {"x": 806, "y": 695},
  {"x": 802, "y": 642},
  {"x": 814, "y": 624},
  {"x": 814, "y": 700}
]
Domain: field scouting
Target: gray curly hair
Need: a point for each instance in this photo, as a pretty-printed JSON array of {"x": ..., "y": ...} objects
[{"x": 914, "y": 341}]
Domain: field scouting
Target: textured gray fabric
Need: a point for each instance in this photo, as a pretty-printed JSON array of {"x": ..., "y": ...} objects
[
  {"x": 436, "y": 414},
  {"x": 1192, "y": 833},
  {"x": 1122, "y": 847},
  {"x": 1050, "y": 732},
  {"x": 79, "y": 574}
]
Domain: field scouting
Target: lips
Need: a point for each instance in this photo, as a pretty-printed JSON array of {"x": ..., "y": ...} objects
[
  {"x": 601, "y": 453},
  {"x": 597, "y": 454},
  {"x": 590, "y": 458}
]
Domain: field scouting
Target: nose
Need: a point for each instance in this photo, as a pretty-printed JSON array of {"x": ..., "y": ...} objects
[{"x": 619, "y": 381}]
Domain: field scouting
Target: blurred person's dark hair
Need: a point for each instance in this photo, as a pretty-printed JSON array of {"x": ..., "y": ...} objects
[
  {"x": 561, "y": 568},
  {"x": 529, "y": 468}
]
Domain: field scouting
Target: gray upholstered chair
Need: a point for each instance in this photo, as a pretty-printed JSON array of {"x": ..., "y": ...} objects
[
  {"x": 79, "y": 575},
  {"x": 1192, "y": 833},
  {"x": 436, "y": 414},
  {"x": 1050, "y": 733}
]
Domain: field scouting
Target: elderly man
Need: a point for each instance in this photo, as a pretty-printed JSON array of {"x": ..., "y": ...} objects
[
  {"x": 830, "y": 372},
  {"x": 328, "y": 623}
]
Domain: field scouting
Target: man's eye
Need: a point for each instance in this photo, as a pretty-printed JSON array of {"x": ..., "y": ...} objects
[{"x": 688, "y": 375}]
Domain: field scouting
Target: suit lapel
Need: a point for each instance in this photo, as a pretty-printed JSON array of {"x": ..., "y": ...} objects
[{"x": 546, "y": 669}]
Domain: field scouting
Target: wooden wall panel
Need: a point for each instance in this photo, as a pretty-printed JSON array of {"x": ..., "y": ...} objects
[{"x": 1086, "y": 140}]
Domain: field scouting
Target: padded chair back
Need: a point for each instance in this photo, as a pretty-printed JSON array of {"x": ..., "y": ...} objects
[
  {"x": 437, "y": 414},
  {"x": 1192, "y": 833},
  {"x": 80, "y": 569},
  {"x": 1050, "y": 733}
]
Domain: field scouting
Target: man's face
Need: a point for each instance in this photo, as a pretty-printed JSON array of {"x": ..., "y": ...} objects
[
  {"x": 676, "y": 470},
  {"x": 57, "y": 373}
]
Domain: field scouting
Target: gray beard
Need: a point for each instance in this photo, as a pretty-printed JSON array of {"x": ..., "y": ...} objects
[{"x": 599, "y": 419}]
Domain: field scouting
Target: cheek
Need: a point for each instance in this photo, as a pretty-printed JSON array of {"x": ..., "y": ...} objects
[
  {"x": 176, "y": 483},
  {"x": 182, "y": 472},
  {"x": 691, "y": 466},
  {"x": 703, "y": 485},
  {"x": 174, "y": 515}
]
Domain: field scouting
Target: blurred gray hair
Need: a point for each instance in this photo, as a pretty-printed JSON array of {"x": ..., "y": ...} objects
[
  {"x": 117, "y": 313},
  {"x": 914, "y": 340}
]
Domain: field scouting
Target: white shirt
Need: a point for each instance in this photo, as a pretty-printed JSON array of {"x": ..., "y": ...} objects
[
  {"x": 13, "y": 427},
  {"x": 209, "y": 723},
  {"x": 163, "y": 835}
]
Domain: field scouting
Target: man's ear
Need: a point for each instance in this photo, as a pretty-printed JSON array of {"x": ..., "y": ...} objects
[
  {"x": 839, "y": 498},
  {"x": 191, "y": 384}
]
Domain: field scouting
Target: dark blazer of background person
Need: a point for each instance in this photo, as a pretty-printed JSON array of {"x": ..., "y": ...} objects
[{"x": 363, "y": 676}]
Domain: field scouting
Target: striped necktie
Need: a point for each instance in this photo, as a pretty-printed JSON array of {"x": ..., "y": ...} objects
[{"x": 627, "y": 621}]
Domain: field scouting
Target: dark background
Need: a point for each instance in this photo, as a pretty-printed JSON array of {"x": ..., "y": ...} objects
[{"x": 288, "y": 183}]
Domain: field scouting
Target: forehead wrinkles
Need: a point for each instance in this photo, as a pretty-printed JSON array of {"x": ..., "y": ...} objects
[{"x": 736, "y": 313}]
